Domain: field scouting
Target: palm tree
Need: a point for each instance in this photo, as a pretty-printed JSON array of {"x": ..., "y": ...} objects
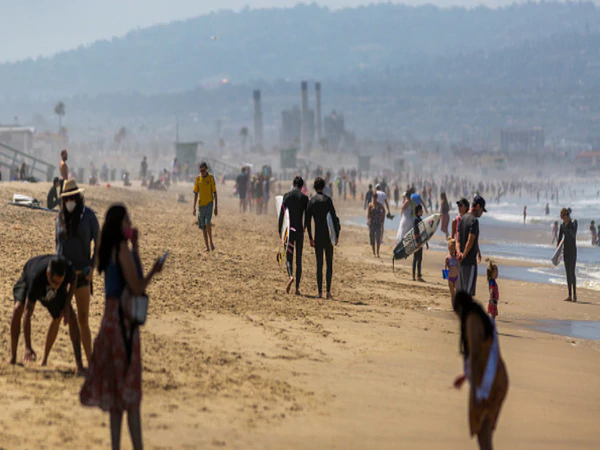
[
  {"x": 244, "y": 136},
  {"x": 60, "y": 111}
]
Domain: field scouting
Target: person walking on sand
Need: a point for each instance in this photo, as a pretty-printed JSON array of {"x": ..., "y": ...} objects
[
  {"x": 445, "y": 211},
  {"x": 555, "y": 232},
  {"x": 296, "y": 203},
  {"x": 241, "y": 185},
  {"x": 51, "y": 280},
  {"x": 317, "y": 209},
  {"x": 368, "y": 197},
  {"x": 468, "y": 246},
  {"x": 483, "y": 367},
  {"x": 375, "y": 219},
  {"x": 205, "y": 196},
  {"x": 568, "y": 230},
  {"x": 406, "y": 219},
  {"x": 114, "y": 379},
  {"x": 77, "y": 229},
  {"x": 63, "y": 168},
  {"x": 418, "y": 255}
]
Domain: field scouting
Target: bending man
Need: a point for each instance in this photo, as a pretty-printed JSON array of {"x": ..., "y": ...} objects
[{"x": 51, "y": 280}]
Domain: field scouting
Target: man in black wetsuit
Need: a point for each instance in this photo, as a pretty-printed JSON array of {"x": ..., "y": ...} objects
[
  {"x": 568, "y": 231},
  {"x": 318, "y": 207},
  {"x": 295, "y": 202}
]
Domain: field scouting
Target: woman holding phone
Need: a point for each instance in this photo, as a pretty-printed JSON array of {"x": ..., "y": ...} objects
[{"x": 114, "y": 379}]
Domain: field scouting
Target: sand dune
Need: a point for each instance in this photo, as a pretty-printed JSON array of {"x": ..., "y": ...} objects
[{"x": 231, "y": 361}]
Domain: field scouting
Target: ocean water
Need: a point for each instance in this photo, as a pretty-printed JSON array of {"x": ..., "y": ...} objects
[
  {"x": 572, "y": 328},
  {"x": 504, "y": 235}
]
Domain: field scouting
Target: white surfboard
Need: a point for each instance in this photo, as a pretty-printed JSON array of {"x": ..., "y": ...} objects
[
  {"x": 558, "y": 254},
  {"x": 408, "y": 245},
  {"x": 284, "y": 237},
  {"x": 332, "y": 235}
]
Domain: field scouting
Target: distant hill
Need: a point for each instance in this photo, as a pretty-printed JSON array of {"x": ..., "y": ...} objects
[{"x": 302, "y": 42}]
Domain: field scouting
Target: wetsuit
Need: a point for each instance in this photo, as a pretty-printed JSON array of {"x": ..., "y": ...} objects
[
  {"x": 295, "y": 202},
  {"x": 569, "y": 232},
  {"x": 418, "y": 255},
  {"x": 318, "y": 207}
]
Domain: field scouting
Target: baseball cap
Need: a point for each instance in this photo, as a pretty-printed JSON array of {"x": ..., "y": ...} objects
[
  {"x": 463, "y": 202},
  {"x": 479, "y": 200},
  {"x": 378, "y": 186}
]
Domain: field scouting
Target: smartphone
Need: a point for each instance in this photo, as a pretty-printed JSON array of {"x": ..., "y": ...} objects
[{"x": 163, "y": 258}]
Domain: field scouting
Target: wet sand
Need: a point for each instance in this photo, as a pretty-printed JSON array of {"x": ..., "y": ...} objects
[{"x": 231, "y": 361}]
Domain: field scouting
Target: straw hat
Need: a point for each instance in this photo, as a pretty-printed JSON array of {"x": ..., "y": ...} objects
[{"x": 70, "y": 188}]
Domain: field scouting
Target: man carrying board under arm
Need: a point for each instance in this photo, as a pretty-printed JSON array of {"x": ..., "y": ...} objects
[{"x": 318, "y": 207}]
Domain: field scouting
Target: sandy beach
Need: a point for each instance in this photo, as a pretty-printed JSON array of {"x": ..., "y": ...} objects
[{"x": 231, "y": 361}]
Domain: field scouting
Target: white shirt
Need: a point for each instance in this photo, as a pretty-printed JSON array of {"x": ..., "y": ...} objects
[{"x": 381, "y": 198}]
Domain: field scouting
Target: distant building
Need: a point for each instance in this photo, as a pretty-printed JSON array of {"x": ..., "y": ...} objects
[
  {"x": 334, "y": 132},
  {"x": 17, "y": 137},
  {"x": 291, "y": 127},
  {"x": 513, "y": 140},
  {"x": 587, "y": 162}
]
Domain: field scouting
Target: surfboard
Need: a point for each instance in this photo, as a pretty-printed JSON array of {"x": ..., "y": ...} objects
[
  {"x": 558, "y": 254},
  {"x": 28, "y": 202},
  {"x": 408, "y": 245},
  {"x": 331, "y": 227},
  {"x": 284, "y": 237}
]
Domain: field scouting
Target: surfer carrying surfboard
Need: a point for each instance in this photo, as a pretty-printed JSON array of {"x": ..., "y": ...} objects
[
  {"x": 295, "y": 202},
  {"x": 319, "y": 207}
]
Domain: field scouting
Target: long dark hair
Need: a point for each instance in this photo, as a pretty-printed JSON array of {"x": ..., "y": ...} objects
[
  {"x": 70, "y": 221},
  {"x": 463, "y": 306},
  {"x": 112, "y": 234}
]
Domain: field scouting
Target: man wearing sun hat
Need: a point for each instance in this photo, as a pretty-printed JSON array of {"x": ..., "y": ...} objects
[
  {"x": 76, "y": 229},
  {"x": 468, "y": 246}
]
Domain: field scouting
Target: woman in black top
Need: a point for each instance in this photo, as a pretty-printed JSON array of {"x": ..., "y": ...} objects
[{"x": 76, "y": 229}]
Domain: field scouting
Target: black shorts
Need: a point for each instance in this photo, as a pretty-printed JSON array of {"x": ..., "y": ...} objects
[
  {"x": 81, "y": 281},
  {"x": 54, "y": 307}
]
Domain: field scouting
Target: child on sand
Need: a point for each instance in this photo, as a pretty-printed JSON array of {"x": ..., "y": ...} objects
[
  {"x": 492, "y": 275},
  {"x": 451, "y": 265}
]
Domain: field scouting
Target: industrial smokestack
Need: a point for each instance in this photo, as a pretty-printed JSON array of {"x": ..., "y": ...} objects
[
  {"x": 303, "y": 117},
  {"x": 318, "y": 122},
  {"x": 258, "y": 121}
]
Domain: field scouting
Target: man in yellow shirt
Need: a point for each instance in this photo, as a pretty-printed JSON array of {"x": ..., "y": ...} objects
[{"x": 205, "y": 193}]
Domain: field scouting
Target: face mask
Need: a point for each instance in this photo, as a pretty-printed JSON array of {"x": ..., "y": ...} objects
[
  {"x": 71, "y": 206},
  {"x": 128, "y": 233}
]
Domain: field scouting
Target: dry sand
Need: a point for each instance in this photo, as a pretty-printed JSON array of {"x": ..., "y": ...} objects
[{"x": 231, "y": 361}]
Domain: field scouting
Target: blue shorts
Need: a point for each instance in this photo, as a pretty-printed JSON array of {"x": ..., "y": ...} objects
[{"x": 205, "y": 215}]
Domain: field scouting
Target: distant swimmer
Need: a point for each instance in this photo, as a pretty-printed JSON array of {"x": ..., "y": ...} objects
[
  {"x": 296, "y": 203},
  {"x": 49, "y": 279},
  {"x": 483, "y": 367},
  {"x": 524, "y": 214},
  {"x": 594, "y": 233},
  {"x": 568, "y": 230},
  {"x": 318, "y": 208},
  {"x": 205, "y": 196},
  {"x": 547, "y": 209}
]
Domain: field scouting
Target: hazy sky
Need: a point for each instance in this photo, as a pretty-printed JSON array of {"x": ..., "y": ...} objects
[{"x": 30, "y": 28}]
